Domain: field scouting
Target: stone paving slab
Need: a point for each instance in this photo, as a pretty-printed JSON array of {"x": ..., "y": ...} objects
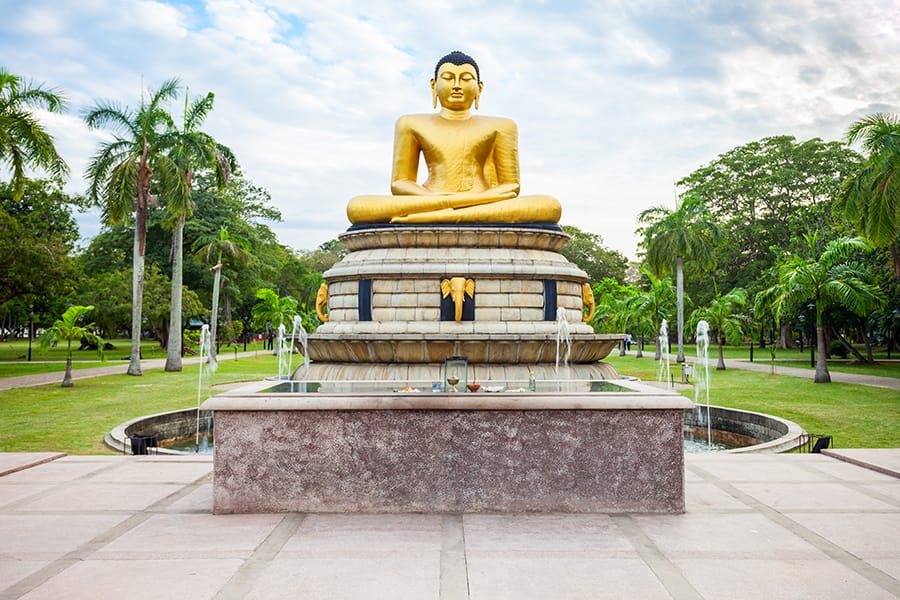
[
  {"x": 772, "y": 526},
  {"x": 137, "y": 579},
  {"x": 777, "y": 580},
  {"x": 882, "y": 460},
  {"x": 10, "y": 462}
]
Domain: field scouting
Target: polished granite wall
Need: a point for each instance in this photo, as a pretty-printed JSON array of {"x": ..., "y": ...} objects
[{"x": 475, "y": 460}]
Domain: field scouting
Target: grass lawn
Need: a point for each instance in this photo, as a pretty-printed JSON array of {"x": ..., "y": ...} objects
[
  {"x": 17, "y": 351},
  {"x": 883, "y": 369},
  {"x": 74, "y": 420},
  {"x": 791, "y": 358},
  {"x": 857, "y": 416},
  {"x": 36, "y": 368}
]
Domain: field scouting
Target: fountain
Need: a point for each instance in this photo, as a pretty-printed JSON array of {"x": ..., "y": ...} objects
[
  {"x": 564, "y": 340},
  {"x": 298, "y": 336},
  {"x": 664, "y": 374},
  {"x": 204, "y": 351},
  {"x": 285, "y": 351},
  {"x": 459, "y": 266},
  {"x": 701, "y": 378}
]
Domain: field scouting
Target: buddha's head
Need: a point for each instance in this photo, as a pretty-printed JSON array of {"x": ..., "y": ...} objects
[{"x": 457, "y": 82}]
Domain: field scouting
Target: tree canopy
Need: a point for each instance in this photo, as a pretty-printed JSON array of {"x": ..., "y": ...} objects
[
  {"x": 763, "y": 194},
  {"x": 586, "y": 250},
  {"x": 38, "y": 234}
]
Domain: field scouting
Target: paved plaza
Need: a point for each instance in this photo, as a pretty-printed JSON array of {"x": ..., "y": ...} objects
[{"x": 757, "y": 526}]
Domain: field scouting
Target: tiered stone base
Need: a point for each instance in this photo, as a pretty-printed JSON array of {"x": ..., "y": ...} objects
[
  {"x": 385, "y": 305},
  {"x": 418, "y": 374}
]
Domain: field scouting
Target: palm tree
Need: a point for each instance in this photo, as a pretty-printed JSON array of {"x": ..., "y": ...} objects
[
  {"x": 723, "y": 319},
  {"x": 23, "y": 140},
  {"x": 273, "y": 311},
  {"x": 871, "y": 198},
  {"x": 69, "y": 330},
  {"x": 613, "y": 316},
  {"x": 670, "y": 237},
  {"x": 217, "y": 248},
  {"x": 611, "y": 296},
  {"x": 190, "y": 149},
  {"x": 766, "y": 312},
  {"x": 834, "y": 279},
  {"x": 640, "y": 320},
  {"x": 653, "y": 305},
  {"x": 124, "y": 171}
]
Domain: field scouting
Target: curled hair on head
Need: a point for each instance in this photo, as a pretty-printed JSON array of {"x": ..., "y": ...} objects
[{"x": 458, "y": 58}]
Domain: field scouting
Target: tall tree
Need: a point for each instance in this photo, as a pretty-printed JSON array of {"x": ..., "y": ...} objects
[
  {"x": 760, "y": 194},
  {"x": 586, "y": 250},
  {"x": 37, "y": 236},
  {"x": 23, "y": 140},
  {"x": 870, "y": 199},
  {"x": 70, "y": 329},
  {"x": 722, "y": 316},
  {"x": 217, "y": 249},
  {"x": 612, "y": 315},
  {"x": 833, "y": 278},
  {"x": 652, "y": 305},
  {"x": 671, "y": 236},
  {"x": 125, "y": 172},
  {"x": 191, "y": 149},
  {"x": 273, "y": 311}
]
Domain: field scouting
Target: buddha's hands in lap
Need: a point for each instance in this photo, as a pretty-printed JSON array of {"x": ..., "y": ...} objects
[{"x": 466, "y": 199}]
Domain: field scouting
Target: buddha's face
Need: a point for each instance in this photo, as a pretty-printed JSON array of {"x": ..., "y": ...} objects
[{"x": 456, "y": 86}]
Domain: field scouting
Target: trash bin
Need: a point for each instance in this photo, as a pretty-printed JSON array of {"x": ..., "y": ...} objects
[
  {"x": 686, "y": 371},
  {"x": 141, "y": 444}
]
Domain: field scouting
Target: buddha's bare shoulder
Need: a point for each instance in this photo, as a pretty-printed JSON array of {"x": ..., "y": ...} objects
[
  {"x": 497, "y": 122},
  {"x": 411, "y": 121}
]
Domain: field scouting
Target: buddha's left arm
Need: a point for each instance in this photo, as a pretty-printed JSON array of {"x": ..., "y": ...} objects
[{"x": 506, "y": 157}]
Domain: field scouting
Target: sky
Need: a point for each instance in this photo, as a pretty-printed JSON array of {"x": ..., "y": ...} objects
[{"x": 615, "y": 100}]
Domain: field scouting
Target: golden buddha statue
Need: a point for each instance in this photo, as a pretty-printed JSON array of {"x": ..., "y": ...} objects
[{"x": 473, "y": 162}]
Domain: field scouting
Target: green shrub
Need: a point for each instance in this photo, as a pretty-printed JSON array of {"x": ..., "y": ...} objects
[{"x": 837, "y": 349}]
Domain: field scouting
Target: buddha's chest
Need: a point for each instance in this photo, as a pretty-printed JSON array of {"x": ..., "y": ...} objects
[{"x": 456, "y": 141}]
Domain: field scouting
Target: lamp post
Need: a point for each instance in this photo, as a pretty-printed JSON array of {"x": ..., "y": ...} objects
[
  {"x": 30, "y": 332},
  {"x": 813, "y": 338},
  {"x": 890, "y": 335},
  {"x": 751, "y": 337}
]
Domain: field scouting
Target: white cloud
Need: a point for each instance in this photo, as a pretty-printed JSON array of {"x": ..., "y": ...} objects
[
  {"x": 158, "y": 18},
  {"x": 615, "y": 101},
  {"x": 245, "y": 20}
]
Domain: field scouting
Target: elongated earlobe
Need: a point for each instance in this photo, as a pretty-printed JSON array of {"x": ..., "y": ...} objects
[
  {"x": 434, "y": 94},
  {"x": 478, "y": 93},
  {"x": 476, "y": 100}
]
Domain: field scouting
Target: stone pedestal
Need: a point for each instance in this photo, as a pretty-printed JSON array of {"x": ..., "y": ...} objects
[{"x": 576, "y": 452}]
